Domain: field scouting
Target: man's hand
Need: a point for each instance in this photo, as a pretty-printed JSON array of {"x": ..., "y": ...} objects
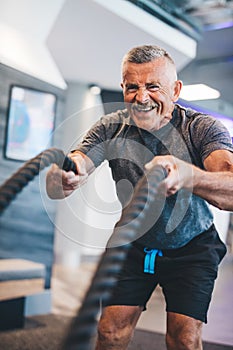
[
  {"x": 180, "y": 173},
  {"x": 60, "y": 184}
]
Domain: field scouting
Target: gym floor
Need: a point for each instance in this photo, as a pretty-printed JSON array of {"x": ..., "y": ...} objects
[{"x": 69, "y": 286}]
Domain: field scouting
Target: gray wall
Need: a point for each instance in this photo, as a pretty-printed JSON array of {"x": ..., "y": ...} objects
[{"x": 26, "y": 229}]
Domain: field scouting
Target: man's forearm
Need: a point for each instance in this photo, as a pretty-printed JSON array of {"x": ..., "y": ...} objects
[
  {"x": 215, "y": 187},
  {"x": 215, "y": 184}
]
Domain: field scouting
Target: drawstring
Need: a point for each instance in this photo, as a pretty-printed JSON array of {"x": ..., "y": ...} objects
[{"x": 149, "y": 261}]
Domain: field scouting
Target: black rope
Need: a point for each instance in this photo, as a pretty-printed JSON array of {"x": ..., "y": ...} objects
[
  {"x": 83, "y": 328},
  {"x": 25, "y": 174}
]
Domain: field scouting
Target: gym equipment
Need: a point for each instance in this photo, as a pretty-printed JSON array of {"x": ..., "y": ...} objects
[
  {"x": 83, "y": 328},
  {"x": 11, "y": 187}
]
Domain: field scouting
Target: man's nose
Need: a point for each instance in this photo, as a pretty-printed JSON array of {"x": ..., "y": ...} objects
[{"x": 142, "y": 95}]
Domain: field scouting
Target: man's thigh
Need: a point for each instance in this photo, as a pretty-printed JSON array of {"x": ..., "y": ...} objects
[
  {"x": 187, "y": 275},
  {"x": 133, "y": 286}
]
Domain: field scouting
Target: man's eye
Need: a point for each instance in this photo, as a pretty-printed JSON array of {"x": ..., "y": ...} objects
[
  {"x": 131, "y": 88},
  {"x": 153, "y": 87}
]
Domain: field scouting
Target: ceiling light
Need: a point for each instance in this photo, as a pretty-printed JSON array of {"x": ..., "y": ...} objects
[
  {"x": 198, "y": 92},
  {"x": 94, "y": 89}
]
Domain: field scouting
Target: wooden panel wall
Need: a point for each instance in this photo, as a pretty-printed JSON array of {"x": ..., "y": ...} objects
[{"x": 26, "y": 229}]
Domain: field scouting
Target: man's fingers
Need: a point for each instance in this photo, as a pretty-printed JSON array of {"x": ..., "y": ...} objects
[
  {"x": 165, "y": 161},
  {"x": 73, "y": 181},
  {"x": 150, "y": 165}
]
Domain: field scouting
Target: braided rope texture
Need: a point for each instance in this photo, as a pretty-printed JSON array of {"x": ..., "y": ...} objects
[{"x": 11, "y": 187}]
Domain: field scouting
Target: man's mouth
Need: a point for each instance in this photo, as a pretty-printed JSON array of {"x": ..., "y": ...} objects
[{"x": 143, "y": 108}]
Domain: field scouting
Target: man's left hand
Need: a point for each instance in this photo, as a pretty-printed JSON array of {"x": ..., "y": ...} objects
[{"x": 180, "y": 173}]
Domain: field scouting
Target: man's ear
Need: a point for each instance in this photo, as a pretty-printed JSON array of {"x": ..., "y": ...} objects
[{"x": 177, "y": 89}]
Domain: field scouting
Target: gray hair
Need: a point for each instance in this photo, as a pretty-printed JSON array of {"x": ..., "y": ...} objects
[{"x": 146, "y": 53}]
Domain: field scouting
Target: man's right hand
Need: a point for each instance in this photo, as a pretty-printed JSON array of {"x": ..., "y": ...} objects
[{"x": 60, "y": 184}]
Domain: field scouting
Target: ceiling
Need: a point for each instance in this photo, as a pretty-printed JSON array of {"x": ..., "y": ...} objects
[
  {"x": 197, "y": 14},
  {"x": 88, "y": 42},
  {"x": 214, "y": 60},
  {"x": 90, "y": 37},
  {"x": 209, "y": 13}
]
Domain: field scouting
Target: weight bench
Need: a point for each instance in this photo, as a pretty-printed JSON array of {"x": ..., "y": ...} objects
[{"x": 22, "y": 292}]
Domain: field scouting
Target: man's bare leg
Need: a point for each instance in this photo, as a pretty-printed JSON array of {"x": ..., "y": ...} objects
[
  {"x": 183, "y": 332},
  {"x": 116, "y": 326}
]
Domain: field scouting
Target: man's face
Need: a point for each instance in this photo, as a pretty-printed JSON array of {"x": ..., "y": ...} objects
[{"x": 150, "y": 89}]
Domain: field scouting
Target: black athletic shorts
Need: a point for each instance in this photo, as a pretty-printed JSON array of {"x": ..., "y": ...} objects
[{"x": 186, "y": 275}]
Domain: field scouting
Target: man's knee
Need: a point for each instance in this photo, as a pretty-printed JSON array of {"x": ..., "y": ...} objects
[
  {"x": 183, "y": 333},
  {"x": 186, "y": 341},
  {"x": 116, "y": 326},
  {"x": 111, "y": 334}
]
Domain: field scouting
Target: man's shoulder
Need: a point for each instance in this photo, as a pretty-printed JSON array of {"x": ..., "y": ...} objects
[
  {"x": 113, "y": 122},
  {"x": 194, "y": 116},
  {"x": 188, "y": 112}
]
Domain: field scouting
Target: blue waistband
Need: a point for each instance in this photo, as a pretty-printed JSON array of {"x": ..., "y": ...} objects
[{"x": 149, "y": 261}]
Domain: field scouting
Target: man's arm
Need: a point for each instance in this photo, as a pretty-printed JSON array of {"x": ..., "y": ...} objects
[
  {"x": 60, "y": 184},
  {"x": 215, "y": 184}
]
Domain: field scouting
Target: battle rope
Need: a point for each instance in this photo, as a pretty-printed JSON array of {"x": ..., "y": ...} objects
[
  {"x": 82, "y": 330},
  {"x": 29, "y": 170}
]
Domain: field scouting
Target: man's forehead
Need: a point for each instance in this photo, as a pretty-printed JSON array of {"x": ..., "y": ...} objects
[{"x": 153, "y": 70}]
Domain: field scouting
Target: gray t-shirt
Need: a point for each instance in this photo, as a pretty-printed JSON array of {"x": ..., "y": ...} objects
[{"x": 190, "y": 136}]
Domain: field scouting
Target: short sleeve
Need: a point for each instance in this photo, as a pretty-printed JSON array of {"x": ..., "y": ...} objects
[
  {"x": 93, "y": 144},
  {"x": 209, "y": 135}
]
